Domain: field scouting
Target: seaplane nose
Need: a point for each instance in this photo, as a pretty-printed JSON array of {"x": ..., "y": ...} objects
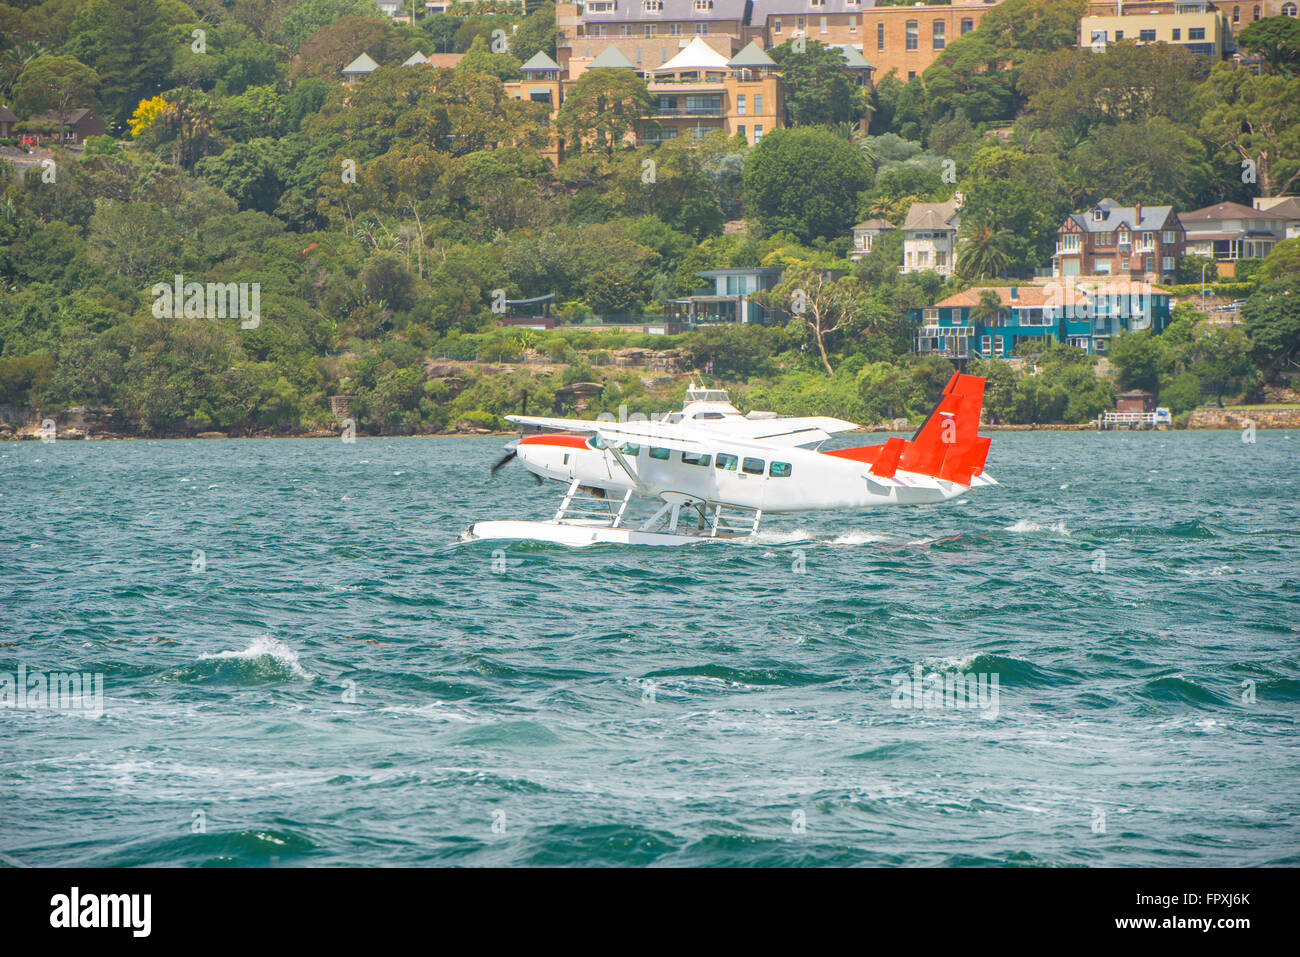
[{"x": 551, "y": 455}]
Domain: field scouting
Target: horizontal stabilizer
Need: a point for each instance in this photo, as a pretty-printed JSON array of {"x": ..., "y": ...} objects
[{"x": 886, "y": 463}]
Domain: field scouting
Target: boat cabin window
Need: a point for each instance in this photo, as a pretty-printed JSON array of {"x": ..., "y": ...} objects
[
  {"x": 708, "y": 415},
  {"x": 753, "y": 466},
  {"x": 727, "y": 462},
  {"x": 627, "y": 448},
  {"x": 696, "y": 458},
  {"x": 656, "y": 453},
  {"x": 779, "y": 470}
]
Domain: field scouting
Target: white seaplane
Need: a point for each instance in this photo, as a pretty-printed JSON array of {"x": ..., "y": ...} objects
[{"x": 711, "y": 472}]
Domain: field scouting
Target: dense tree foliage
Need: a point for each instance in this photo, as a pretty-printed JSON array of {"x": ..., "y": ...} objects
[
  {"x": 819, "y": 89},
  {"x": 806, "y": 182},
  {"x": 385, "y": 223}
]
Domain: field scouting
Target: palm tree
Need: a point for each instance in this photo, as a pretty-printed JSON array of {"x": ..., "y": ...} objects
[
  {"x": 988, "y": 310},
  {"x": 191, "y": 114},
  {"x": 985, "y": 254},
  {"x": 863, "y": 142},
  {"x": 14, "y": 60}
]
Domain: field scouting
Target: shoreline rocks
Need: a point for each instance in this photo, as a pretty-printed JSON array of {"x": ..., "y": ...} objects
[{"x": 1233, "y": 418}]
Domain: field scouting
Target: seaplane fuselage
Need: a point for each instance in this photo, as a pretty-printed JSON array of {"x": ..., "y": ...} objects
[{"x": 730, "y": 472}]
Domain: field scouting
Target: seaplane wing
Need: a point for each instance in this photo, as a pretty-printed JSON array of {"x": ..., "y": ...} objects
[
  {"x": 712, "y": 473},
  {"x": 558, "y": 425},
  {"x": 789, "y": 431}
]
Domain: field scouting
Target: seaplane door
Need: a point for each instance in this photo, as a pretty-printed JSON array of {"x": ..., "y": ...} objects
[{"x": 742, "y": 479}]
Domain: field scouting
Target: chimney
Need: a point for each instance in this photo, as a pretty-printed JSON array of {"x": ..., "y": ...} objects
[{"x": 1138, "y": 212}]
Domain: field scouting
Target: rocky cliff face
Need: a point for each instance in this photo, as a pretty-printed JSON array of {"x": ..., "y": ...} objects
[{"x": 77, "y": 422}]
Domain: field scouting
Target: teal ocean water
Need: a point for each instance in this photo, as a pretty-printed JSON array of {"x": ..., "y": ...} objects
[{"x": 301, "y": 667}]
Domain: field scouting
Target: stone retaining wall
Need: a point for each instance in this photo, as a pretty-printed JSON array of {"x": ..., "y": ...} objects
[{"x": 1280, "y": 418}]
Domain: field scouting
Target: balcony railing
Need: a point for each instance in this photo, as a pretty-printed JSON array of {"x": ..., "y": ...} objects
[
  {"x": 716, "y": 112},
  {"x": 930, "y": 331}
]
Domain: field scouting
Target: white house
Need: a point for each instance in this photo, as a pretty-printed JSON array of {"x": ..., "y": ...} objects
[
  {"x": 930, "y": 237},
  {"x": 1285, "y": 206},
  {"x": 865, "y": 234},
  {"x": 1226, "y": 232}
]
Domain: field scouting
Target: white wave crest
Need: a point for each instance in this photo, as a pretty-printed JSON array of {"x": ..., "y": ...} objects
[
  {"x": 265, "y": 646},
  {"x": 858, "y": 538},
  {"x": 1025, "y": 525}
]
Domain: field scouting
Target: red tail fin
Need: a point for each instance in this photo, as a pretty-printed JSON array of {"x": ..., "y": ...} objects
[{"x": 948, "y": 444}]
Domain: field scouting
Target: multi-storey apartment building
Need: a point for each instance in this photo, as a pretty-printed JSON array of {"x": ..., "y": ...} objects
[
  {"x": 1137, "y": 242},
  {"x": 905, "y": 39},
  {"x": 695, "y": 93},
  {"x": 650, "y": 32},
  {"x": 700, "y": 91},
  {"x": 1196, "y": 25}
]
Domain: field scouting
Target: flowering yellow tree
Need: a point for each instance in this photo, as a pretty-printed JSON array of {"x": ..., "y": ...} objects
[{"x": 146, "y": 114}]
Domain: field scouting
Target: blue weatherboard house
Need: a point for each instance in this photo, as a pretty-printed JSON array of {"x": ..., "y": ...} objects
[{"x": 1085, "y": 313}]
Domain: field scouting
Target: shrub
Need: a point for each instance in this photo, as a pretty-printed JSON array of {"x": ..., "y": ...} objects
[{"x": 1182, "y": 394}]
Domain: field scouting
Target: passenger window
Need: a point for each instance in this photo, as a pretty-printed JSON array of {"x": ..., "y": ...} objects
[
  {"x": 658, "y": 453},
  {"x": 752, "y": 466},
  {"x": 727, "y": 462},
  {"x": 779, "y": 470},
  {"x": 627, "y": 448},
  {"x": 696, "y": 458}
]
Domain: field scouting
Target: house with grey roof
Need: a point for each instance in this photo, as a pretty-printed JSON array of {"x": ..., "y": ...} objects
[
  {"x": 1285, "y": 206},
  {"x": 359, "y": 69},
  {"x": 865, "y": 235},
  {"x": 1226, "y": 232},
  {"x": 7, "y": 121},
  {"x": 1137, "y": 242},
  {"x": 930, "y": 237}
]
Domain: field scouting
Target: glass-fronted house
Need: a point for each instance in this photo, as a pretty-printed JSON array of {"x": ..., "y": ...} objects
[{"x": 730, "y": 299}]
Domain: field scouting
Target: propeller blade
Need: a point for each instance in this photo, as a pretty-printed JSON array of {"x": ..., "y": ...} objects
[{"x": 501, "y": 463}]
